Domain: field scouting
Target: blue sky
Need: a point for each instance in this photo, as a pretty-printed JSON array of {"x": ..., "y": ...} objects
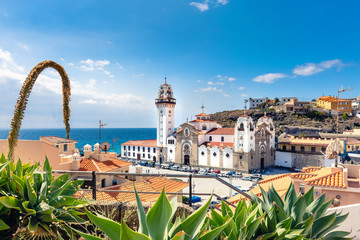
[{"x": 213, "y": 52}]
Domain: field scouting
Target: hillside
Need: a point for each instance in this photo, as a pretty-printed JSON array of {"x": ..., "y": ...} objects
[{"x": 312, "y": 119}]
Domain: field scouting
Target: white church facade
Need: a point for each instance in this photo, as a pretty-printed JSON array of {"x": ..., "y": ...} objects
[{"x": 204, "y": 142}]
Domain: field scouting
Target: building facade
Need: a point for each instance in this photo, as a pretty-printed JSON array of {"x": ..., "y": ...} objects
[
  {"x": 330, "y": 103},
  {"x": 254, "y": 102}
]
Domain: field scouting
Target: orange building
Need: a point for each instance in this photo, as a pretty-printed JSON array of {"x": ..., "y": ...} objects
[
  {"x": 331, "y": 103},
  {"x": 341, "y": 183}
]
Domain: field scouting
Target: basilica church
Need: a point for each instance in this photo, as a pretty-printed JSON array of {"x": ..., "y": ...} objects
[{"x": 204, "y": 142}]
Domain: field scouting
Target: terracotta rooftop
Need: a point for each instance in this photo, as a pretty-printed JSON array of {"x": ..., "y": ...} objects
[
  {"x": 331, "y": 99},
  {"x": 218, "y": 144},
  {"x": 155, "y": 184},
  {"x": 91, "y": 164},
  {"x": 221, "y": 131},
  {"x": 202, "y": 114},
  {"x": 57, "y": 140},
  {"x": 332, "y": 179},
  {"x": 142, "y": 143},
  {"x": 202, "y": 120}
]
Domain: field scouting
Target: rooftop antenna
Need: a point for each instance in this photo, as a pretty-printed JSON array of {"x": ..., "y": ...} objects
[{"x": 100, "y": 126}]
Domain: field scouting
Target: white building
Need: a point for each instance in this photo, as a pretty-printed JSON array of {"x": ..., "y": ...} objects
[
  {"x": 284, "y": 100},
  {"x": 254, "y": 102}
]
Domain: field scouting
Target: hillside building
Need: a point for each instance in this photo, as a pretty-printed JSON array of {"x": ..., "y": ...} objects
[{"x": 330, "y": 103}]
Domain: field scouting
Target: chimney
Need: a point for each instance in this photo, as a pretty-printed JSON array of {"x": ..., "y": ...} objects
[
  {"x": 76, "y": 159},
  {"x": 87, "y": 151}
]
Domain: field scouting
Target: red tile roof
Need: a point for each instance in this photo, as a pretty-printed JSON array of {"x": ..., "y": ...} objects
[
  {"x": 155, "y": 184},
  {"x": 202, "y": 114},
  {"x": 334, "y": 179},
  {"x": 91, "y": 164},
  {"x": 202, "y": 120},
  {"x": 221, "y": 131},
  {"x": 143, "y": 143}
]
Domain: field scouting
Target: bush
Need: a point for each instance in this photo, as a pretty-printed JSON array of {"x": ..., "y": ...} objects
[{"x": 35, "y": 205}]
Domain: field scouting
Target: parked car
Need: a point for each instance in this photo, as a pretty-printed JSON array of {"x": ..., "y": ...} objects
[
  {"x": 165, "y": 166},
  {"x": 238, "y": 175},
  {"x": 175, "y": 167},
  {"x": 203, "y": 172},
  {"x": 216, "y": 171},
  {"x": 187, "y": 169},
  {"x": 195, "y": 170},
  {"x": 222, "y": 175},
  {"x": 257, "y": 176},
  {"x": 246, "y": 178},
  {"x": 143, "y": 163},
  {"x": 157, "y": 165},
  {"x": 151, "y": 164},
  {"x": 230, "y": 174}
]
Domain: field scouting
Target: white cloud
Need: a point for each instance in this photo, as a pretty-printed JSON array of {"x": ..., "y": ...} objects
[
  {"x": 88, "y": 101},
  {"x": 8, "y": 62},
  {"x": 244, "y": 95},
  {"x": 201, "y": 6},
  {"x": 231, "y": 79},
  {"x": 23, "y": 46},
  {"x": 269, "y": 78},
  {"x": 223, "y": 2},
  {"x": 198, "y": 81},
  {"x": 138, "y": 75},
  {"x": 309, "y": 69},
  {"x": 214, "y": 89},
  {"x": 49, "y": 82},
  {"x": 241, "y": 88},
  {"x": 215, "y": 83},
  {"x": 62, "y": 59},
  {"x": 91, "y": 65}
]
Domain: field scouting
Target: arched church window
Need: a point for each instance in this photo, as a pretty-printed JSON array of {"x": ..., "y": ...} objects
[
  {"x": 241, "y": 127},
  {"x": 210, "y": 138},
  {"x": 222, "y": 139},
  {"x": 251, "y": 127},
  {"x": 204, "y": 127}
]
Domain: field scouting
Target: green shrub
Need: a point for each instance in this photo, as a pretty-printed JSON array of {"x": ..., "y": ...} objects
[
  {"x": 157, "y": 224},
  {"x": 35, "y": 205}
]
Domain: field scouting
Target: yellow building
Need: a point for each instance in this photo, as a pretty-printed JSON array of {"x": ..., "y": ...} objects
[{"x": 331, "y": 103}]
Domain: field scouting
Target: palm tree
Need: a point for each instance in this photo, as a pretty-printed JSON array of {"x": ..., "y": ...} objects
[
  {"x": 246, "y": 101},
  {"x": 25, "y": 91}
]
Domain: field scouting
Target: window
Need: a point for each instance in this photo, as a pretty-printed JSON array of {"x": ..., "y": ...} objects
[
  {"x": 148, "y": 149},
  {"x": 240, "y": 157},
  {"x": 57, "y": 146},
  {"x": 204, "y": 127},
  {"x": 65, "y": 147},
  {"x": 346, "y": 103},
  {"x": 323, "y": 149},
  {"x": 138, "y": 149},
  {"x": 148, "y": 155},
  {"x": 284, "y": 148},
  {"x": 133, "y": 148},
  {"x": 302, "y": 149},
  {"x": 210, "y": 138},
  {"x": 241, "y": 127},
  {"x": 171, "y": 150},
  {"x": 143, "y": 149},
  {"x": 169, "y": 111},
  {"x": 293, "y": 148},
  {"x": 252, "y": 157},
  {"x": 341, "y": 103},
  {"x": 222, "y": 139},
  {"x": 124, "y": 147},
  {"x": 227, "y": 155},
  {"x": 129, "y": 154},
  {"x": 313, "y": 149},
  {"x": 214, "y": 154},
  {"x": 202, "y": 153},
  {"x": 143, "y": 155},
  {"x": 133, "y": 154},
  {"x": 154, "y": 150}
]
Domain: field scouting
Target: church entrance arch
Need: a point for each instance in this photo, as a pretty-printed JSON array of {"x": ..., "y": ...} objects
[{"x": 186, "y": 159}]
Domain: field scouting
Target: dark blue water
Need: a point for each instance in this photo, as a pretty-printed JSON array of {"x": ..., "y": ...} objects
[{"x": 115, "y": 136}]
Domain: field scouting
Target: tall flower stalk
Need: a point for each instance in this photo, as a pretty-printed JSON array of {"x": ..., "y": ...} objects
[{"x": 24, "y": 96}]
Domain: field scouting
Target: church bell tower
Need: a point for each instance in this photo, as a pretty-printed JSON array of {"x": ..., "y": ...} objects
[{"x": 165, "y": 104}]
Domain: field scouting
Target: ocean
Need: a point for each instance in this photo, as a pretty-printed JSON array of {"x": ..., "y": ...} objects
[{"x": 83, "y": 136}]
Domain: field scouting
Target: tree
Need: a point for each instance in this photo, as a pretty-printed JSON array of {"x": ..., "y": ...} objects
[
  {"x": 25, "y": 91},
  {"x": 276, "y": 100},
  {"x": 245, "y": 101}
]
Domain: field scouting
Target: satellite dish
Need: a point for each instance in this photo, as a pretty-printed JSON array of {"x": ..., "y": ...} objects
[
  {"x": 105, "y": 146},
  {"x": 333, "y": 149}
]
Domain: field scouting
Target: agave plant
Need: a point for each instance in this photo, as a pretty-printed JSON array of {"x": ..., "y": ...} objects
[
  {"x": 301, "y": 213},
  {"x": 157, "y": 224},
  {"x": 34, "y": 204},
  {"x": 298, "y": 217}
]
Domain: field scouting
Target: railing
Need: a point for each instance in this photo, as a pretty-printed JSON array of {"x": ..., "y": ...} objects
[{"x": 189, "y": 176}]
